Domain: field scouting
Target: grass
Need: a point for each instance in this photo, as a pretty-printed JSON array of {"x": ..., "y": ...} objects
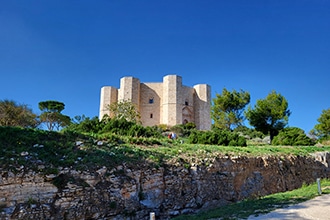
[
  {"x": 46, "y": 152},
  {"x": 21, "y": 148},
  {"x": 243, "y": 209}
]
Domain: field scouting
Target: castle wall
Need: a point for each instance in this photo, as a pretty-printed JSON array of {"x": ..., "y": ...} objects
[
  {"x": 187, "y": 105},
  {"x": 130, "y": 90},
  {"x": 202, "y": 106},
  {"x": 150, "y": 105},
  {"x": 168, "y": 102},
  {"x": 109, "y": 95},
  {"x": 172, "y": 97}
]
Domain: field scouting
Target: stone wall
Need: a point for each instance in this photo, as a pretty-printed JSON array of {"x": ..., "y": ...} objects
[
  {"x": 151, "y": 114},
  {"x": 128, "y": 193},
  {"x": 168, "y": 102}
]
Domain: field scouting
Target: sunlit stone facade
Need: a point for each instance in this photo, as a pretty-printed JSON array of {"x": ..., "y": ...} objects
[{"x": 168, "y": 102}]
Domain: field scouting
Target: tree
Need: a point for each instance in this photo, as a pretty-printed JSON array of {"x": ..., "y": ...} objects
[
  {"x": 322, "y": 130},
  {"x": 85, "y": 124},
  {"x": 269, "y": 115},
  {"x": 51, "y": 115},
  {"x": 124, "y": 110},
  {"x": 228, "y": 107},
  {"x": 13, "y": 114}
]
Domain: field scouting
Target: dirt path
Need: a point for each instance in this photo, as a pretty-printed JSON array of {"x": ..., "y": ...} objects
[{"x": 317, "y": 208}]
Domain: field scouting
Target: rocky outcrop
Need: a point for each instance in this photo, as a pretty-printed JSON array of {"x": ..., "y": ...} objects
[{"x": 130, "y": 193}]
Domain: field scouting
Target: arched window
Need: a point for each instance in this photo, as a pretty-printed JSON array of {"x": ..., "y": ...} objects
[{"x": 186, "y": 102}]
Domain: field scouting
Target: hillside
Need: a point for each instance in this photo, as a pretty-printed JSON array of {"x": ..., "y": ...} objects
[
  {"x": 29, "y": 147},
  {"x": 73, "y": 175}
]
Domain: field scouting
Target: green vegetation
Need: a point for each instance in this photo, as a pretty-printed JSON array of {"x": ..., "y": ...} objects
[
  {"x": 217, "y": 137},
  {"x": 322, "y": 129},
  {"x": 270, "y": 115},
  {"x": 51, "y": 115},
  {"x": 292, "y": 136},
  {"x": 228, "y": 107},
  {"x": 124, "y": 110},
  {"x": 90, "y": 144},
  {"x": 31, "y": 148},
  {"x": 13, "y": 114},
  {"x": 243, "y": 209},
  {"x": 46, "y": 151}
]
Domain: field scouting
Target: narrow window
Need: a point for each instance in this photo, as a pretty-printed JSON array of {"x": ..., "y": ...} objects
[
  {"x": 186, "y": 102},
  {"x": 151, "y": 115},
  {"x": 151, "y": 100}
]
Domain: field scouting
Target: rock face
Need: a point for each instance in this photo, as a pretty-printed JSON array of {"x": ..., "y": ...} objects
[{"x": 129, "y": 193}]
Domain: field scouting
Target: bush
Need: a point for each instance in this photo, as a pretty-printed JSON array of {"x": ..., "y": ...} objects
[
  {"x": 193, "y": 137},
  {"x": 137, "y": 131},
  {"x": 85, "y": 125},
  {"x": 184, "y": 130},
  {"x": 250, "y": 132},
  {"x": 292, "y": 136},
  {"x": 216, "y": 137},
  {"x": 82, "y": 124}
]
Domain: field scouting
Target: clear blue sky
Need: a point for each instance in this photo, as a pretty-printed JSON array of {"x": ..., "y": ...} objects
[{"x": 66, "y": 50}]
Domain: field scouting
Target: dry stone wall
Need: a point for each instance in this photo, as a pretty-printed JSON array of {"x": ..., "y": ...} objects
[{"x": 129, "y": 193}]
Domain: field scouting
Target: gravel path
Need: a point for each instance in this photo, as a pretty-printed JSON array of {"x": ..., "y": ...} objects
[{"x": 317, "y": 208}]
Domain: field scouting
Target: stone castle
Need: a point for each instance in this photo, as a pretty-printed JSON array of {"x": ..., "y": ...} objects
[{"x": 168, "y": 102}]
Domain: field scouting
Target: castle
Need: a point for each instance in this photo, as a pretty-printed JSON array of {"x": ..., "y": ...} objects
[{"x": 168, "y": 102}]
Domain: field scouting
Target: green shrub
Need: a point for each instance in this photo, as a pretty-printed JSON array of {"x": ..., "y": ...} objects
[
  {"x": 216, "y": 137},
  {"x": 178, "y": 129},
  {"x": 189, "y": 126},
  {"x": 250, "y": 132},
  {"x": 193, "y": 137},
  {"x": 241, "y": 141},
  {"x": 292, "y": 136},
  {"x": 137, "y": 131},
  {"x": 85, "y": 125},
  {"x": 183, "y": 130}
]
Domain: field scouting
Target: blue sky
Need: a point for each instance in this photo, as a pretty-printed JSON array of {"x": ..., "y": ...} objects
[{"x": 66, "y": 50}]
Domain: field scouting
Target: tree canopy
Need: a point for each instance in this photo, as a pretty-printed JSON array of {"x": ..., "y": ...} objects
[
  {"x": 269, "y": 115},
  {"x": 51, "y": 115},
  {"x": 14, "y": 114},
  {"x": 124, "y": 110},
  {"x": 322, "y": 129},
  {"x": 228, "y": 107}
]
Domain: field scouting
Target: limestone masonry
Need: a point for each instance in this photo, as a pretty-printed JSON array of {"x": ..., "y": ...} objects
[
  {"x": 168, "y": 102},
  {"x": 132, "y": 192}
]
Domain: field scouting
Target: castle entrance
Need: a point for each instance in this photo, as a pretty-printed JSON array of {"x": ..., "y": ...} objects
[{"x": 187, "y": 115}]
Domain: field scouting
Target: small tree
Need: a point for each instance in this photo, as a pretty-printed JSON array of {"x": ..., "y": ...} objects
[
  {"x": 269, "y": 115},
  {"x": 51, "y": 115},
  {"x": 124, "y": 110},
  {"x": 228, "y": 107},
  {"x": 85, "y": 124},
  {"x": 13, "y": 114},
  {"x": 322, "y": 130}
]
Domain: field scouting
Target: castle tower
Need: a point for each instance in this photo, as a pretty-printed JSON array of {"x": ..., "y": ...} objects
[
  {"x": 171, "y": 102},
  {"x": 109, "y": 95},
  {"x": 130, "y": 90},
  {"x": 202, "y": 104},
  {"x": 168, "y": 102}
]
